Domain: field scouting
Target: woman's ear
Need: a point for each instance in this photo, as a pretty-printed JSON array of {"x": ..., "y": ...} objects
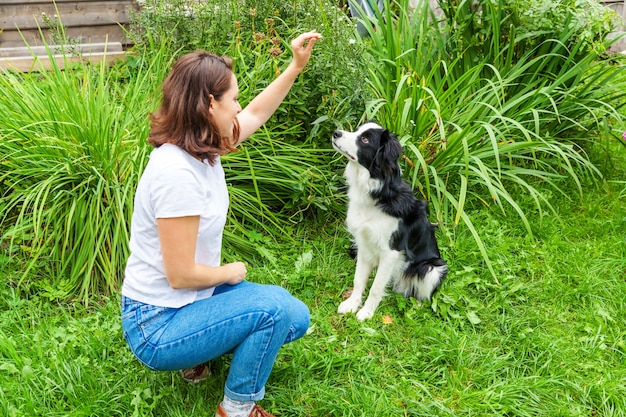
[{"x": 211, "y": 103}]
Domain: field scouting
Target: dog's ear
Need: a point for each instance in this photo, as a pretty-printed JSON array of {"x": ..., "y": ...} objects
[
  {"x": 389, "y": 152},
  {"x": 391, "y": 145}
]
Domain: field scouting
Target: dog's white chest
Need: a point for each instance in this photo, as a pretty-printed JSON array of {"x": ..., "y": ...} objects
[{"x": 366, "y": 222}]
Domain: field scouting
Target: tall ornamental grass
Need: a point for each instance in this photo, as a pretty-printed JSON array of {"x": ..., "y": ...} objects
[
  {"x": 72, "y": 151},
  {"x": 486, "y": 114}
]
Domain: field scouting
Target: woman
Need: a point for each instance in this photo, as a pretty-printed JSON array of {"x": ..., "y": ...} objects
[{"x": 180, "y": 307}]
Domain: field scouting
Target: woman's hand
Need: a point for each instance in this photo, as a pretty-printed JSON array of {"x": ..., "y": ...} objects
[
  {"x": 302, "y": 46},
  {"x": 236, "y": 271}
]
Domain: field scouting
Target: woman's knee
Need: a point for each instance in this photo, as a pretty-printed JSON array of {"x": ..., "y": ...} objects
[
  {"x": 301, "y": 315},
  {"x": 295, "y": 310},
  {"x": 300, "y": 320}
]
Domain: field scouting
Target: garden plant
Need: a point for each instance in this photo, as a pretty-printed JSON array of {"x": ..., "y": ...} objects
[{"x": 511, "y": 114}]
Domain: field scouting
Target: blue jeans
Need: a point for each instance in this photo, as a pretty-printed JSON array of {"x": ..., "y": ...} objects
[{"x": 251, "y": 321}]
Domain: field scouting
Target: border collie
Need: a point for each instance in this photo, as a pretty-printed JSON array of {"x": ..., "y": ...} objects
[{"x": 389, "y": 225}]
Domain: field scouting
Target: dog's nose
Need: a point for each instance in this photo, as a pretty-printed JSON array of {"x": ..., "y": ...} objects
[{"x": 336, "y": 134}]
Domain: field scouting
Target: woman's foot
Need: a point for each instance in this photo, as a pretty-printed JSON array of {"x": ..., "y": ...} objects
[
  {"x": 197, "y": 373},
  {"x": 256, "y": 411}
]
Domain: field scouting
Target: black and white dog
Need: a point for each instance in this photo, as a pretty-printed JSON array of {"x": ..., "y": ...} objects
[{"x": 389, "y": 225}]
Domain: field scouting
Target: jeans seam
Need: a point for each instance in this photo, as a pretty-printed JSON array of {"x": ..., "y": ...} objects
[{"x": 263, "y": 354}]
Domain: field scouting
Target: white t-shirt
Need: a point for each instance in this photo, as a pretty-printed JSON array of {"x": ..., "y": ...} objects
[{"x": 174, "y": 184}]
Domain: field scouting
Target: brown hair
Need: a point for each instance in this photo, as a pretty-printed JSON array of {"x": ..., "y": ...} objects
[{"x": 183, "y": 117}]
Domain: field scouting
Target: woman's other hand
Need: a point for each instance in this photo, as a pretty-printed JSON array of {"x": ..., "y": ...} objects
[{"x": 237, "y": 271}]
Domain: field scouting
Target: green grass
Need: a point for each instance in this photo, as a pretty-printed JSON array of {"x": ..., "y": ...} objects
[{"x": 546, "y": 337}]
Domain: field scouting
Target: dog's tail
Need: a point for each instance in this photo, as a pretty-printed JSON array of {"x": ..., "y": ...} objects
[{"x": 422, "y": 279}]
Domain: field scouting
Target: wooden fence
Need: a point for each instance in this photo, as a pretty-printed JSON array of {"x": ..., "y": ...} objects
[
  {"x": 94, "y": 26},
  {"x": 620, "y": 8},
  {"x": 97, "y": 28}
]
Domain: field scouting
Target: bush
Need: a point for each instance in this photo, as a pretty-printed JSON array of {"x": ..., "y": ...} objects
[
  {"x": 256, "y": 35},
  {"x": 589, "y": 20},
  {"x": 296, "y": 174}
]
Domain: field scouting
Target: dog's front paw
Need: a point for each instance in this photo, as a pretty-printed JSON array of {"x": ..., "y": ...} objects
[
  {"x": 351, "y": 305},
  {"x": 365, "y": 314}
]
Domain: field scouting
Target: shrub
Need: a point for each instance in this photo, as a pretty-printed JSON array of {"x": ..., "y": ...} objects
[{"x": 257, "y": 35}]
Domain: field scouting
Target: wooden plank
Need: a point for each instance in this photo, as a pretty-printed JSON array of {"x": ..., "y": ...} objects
[
  {"x": 48, "y": 2},
  {"x": 618, "y": 7},
  {"x": 83, "y": 49},
  {"x": 71, "y": 14},
  {"x": 27, "y": 64},
  {"x": 85, "y": 34},
  {"x": 39, "y": 58}
]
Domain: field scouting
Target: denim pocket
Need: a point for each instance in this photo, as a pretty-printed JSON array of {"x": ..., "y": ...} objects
[
  {"x": 152, "y": 321},
  {"x": 128, "y": 315}
]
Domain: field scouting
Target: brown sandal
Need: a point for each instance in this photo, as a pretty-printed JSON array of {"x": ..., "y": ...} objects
[{"x": 196, "y": 374}]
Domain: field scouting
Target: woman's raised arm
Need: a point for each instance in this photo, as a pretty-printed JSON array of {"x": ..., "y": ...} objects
[{"x": 261, "y": 108}]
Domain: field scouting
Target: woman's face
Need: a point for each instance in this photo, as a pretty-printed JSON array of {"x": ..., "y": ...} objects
[{"x": 224, "y": 110}]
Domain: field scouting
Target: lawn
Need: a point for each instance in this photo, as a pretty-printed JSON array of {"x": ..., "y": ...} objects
[{"x": 545, "y": 337}]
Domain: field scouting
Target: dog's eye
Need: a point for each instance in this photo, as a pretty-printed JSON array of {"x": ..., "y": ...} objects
[{"x": 364, "y": 139}]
